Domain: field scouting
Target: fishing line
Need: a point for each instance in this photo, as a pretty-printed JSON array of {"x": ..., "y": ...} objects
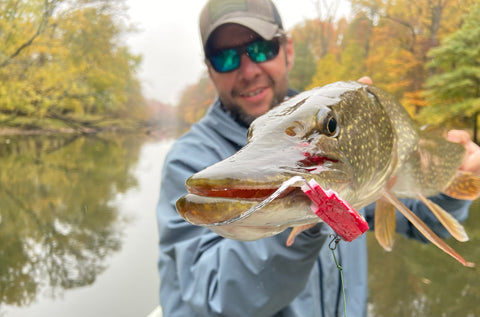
[
  {"x": 285, "y": 185},
  {"x": 333, "y": 245}
]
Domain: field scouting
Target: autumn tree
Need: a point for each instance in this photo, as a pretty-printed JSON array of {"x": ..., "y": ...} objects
[
  {"x": 195, "y": 100},
  {"x": 303, "y": 67},
  {"x": 63, "y": 58},
  {"x": 315, "y": 40},
  {"x": 347, "y": 61},
  {"x": 455, "y": 90},
  {"x": 403, "y": 34}
]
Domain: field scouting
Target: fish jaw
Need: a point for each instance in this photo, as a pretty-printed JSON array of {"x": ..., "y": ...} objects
[{"x": 224, "y": 215}]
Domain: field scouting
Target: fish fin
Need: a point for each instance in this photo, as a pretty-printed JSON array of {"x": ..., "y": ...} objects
[
  {"x": 448, "y": 221},
  {"x": 385, "y": 224},
  {"x": 296, "y": 231},
  {"x": 465, "y": 185},
  {"x": 423, "y": 228}
]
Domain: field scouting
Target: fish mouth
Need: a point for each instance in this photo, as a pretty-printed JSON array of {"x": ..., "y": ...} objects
[
  {"x": 226, "y": 201},
  {"x": 223, "y": 204},
  {"x": 247, "y": 213}
]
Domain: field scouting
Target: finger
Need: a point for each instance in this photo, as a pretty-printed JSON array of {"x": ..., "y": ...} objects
[
  {"x": 459, "y": 136},
  {"x": 472, "y": 164},
  {"x": 463, "y": 138},
  {"x": 366, "y": 80}
]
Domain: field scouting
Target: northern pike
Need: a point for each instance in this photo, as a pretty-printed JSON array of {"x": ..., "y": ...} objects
[{"x": 352, "y": 138}]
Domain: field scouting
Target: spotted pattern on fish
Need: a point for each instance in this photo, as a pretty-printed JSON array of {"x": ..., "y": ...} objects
[{"x": 349, "y": 137}]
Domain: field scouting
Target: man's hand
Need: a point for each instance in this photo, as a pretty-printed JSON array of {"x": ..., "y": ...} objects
[{"x": 471, "y": 163}]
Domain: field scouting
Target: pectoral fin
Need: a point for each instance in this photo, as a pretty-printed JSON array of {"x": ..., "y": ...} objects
[
  {"x": 385, "y": 224},
  {"x": 448, "y": 221},
  {"x": 423, "y": 228},
  {"x": 464, "y": 186},
  {"x": 296, "y": 231}
]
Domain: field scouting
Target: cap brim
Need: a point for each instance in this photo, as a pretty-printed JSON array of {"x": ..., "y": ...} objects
[{"x": 267, "y": 30}]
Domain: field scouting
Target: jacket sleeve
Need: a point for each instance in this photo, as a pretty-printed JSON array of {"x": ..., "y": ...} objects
[
  {"x": 457, "y": 208},
  {"x": 217, "y": 276}
]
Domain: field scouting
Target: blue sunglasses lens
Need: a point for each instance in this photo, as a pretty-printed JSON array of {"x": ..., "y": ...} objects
[
  {"x": 226, "y": 60},
  {"x": 262, "y": 51}
]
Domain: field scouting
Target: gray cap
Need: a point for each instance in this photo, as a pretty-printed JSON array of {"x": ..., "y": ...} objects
[{"x": 260, "y": 16}]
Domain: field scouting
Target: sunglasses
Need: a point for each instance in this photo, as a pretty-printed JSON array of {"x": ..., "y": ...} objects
[{"x": 259, "y": 51}]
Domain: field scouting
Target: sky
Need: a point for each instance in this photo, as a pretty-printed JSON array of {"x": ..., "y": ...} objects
[{"x": 169, "y": 41}]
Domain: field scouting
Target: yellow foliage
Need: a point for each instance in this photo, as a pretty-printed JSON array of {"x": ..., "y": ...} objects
[
  {"x": 71, "y": 62},
  {"x": 388, "y": 41},
  {"x": 327, "y": 71}
]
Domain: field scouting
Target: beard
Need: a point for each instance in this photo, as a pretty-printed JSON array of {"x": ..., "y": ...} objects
[{"x": 246, "y": 119}]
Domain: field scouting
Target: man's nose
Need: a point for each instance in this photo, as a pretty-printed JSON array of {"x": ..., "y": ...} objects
[{"x": 248, "y": 68}]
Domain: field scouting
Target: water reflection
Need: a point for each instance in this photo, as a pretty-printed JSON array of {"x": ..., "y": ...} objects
[
  {"x": 56, "y": 224},
  {"x": 419, "y": 280}
]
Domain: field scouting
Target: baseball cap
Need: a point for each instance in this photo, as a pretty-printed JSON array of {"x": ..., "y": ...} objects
[{"x": 261, "y": 16}]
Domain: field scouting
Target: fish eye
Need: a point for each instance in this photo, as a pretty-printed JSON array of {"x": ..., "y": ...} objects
[
  {"x": 331, "y": 126},
  {"x": 328, "y": 123}
]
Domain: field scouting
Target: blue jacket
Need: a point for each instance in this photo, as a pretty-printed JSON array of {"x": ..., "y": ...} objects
[{"x": 203, "y": 274}]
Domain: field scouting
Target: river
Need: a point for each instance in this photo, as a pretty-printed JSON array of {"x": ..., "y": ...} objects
[{"x": 78, "y": 236}]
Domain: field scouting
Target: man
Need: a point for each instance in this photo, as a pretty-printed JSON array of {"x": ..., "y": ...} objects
[{"x": 248, "y": 56}]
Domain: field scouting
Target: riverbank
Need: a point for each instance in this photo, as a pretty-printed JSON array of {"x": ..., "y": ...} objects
[{"x": 48, "y": 126}]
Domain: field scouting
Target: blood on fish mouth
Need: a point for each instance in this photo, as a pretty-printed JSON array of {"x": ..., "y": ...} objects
[
  {"x": 238, "y": 193},
  {"x": 312, "y": 160}
]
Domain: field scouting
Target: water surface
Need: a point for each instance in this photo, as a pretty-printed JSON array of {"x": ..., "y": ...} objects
[{"x": 78, "y": 233}]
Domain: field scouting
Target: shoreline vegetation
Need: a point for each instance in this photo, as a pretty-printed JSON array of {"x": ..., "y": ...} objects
[
  {"x": 65, "y": 66},
  {"x": 45, "y": 127}
]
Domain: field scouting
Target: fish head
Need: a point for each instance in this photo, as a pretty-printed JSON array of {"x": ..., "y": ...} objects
[{"x": 338, "y": 135}]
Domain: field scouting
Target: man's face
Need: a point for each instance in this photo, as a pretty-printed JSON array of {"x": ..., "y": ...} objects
[{"x": 253, "y": 88}]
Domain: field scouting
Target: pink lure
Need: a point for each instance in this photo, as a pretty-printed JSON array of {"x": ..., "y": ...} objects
[{"x": 335, "y": 212}]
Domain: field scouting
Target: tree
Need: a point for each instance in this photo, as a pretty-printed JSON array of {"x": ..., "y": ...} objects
[
  {"x": 455, "y": 91},
  {"x": 403, "y": 33},
  {"x": 195, "y": 101},
  {"x": 66, "y": 59},
  {"x": 303, "y": 67}
]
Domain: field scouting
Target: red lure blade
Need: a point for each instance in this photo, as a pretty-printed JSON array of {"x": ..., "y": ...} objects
[{"x": 335, "y": 212}]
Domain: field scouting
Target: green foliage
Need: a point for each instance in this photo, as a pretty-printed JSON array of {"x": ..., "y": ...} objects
[
  {"x": 62, "y": 58},
  {"x": 455, "y": 90},
  {"x": 302, "y": 72},
  {"x": 389, "y": 41}
]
